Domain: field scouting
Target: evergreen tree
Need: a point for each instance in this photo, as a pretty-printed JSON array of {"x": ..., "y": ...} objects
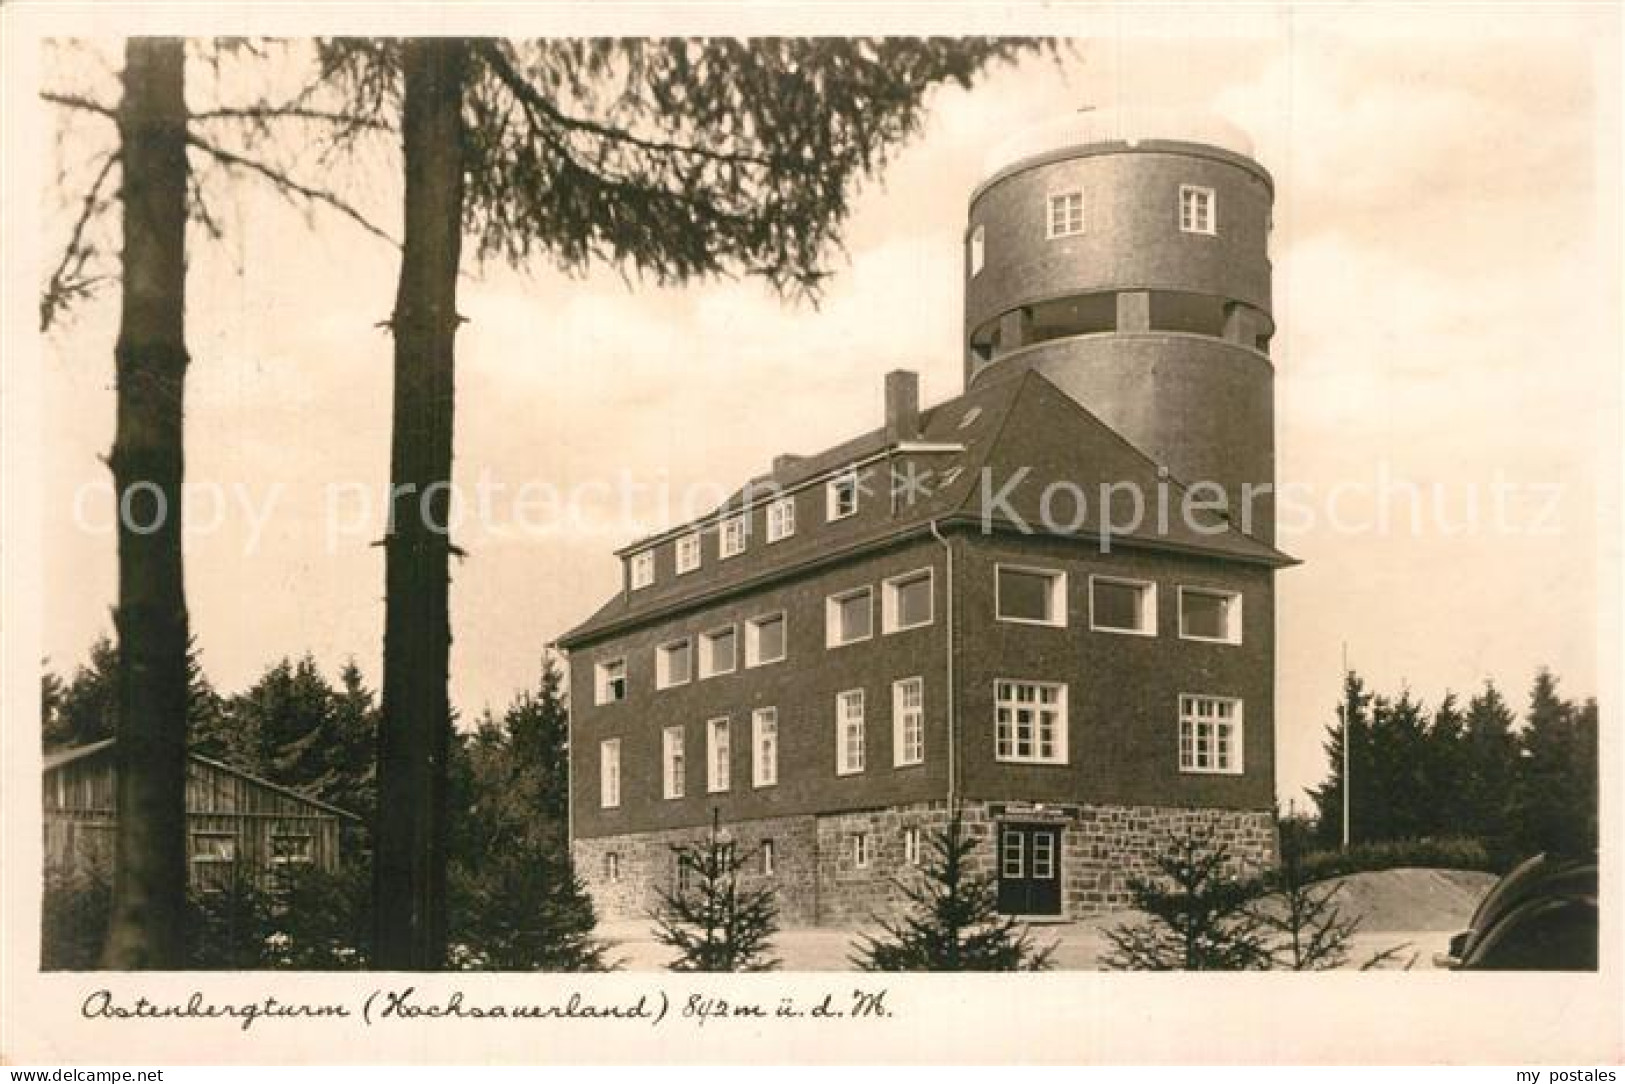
[
  {"x": 1490, "y": 764},
  {"x": 517, "y": 904},
  {"x": 713, "y": 922},
  {"x": 951, "y": 920},
  {"x": 1555, "y": 803},
  {"x": 1353, "y": 717},
  {"x": 1200, "y": 916},
  {"x": 1444, "y": 774},
  {"x": 83, "y": 709}
]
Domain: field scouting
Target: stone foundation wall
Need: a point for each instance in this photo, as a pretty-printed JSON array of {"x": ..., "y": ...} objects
[{"x": 818, "y": 880}]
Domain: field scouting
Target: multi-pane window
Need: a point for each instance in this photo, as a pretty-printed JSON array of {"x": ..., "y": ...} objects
[
  {"x": 214, "y": 847},
  {"x": 1012, "y": 854},
  {"x": 717, "y": 652},
  {"x": 674, "y": 772},
  {"x": 978, "y": 249},
  {"x": 841, "y": 496},
  {"x": 908, "y": 721},
  {"x": 1122, "y": 605},
  {"x": 732, "y": 535},
  {"x": 688, "y": 552},
  {"x": 609, "y": 773},
  {"x": 769, "y": 858},
  {"x": 860, "y": 849},
  {"x": 716, "y": 755},
  {"x": 911, "y": 846},
  {"x": 1065, "y": 214},
  {"x": 905, "y": 602},
  {"x": 1030, "y": 722},
  {"x": 1197, "y": 211},
  {"x": 294, "y": 848},
  {"x": 1210, "y": 614},
  {"x": 764, "y": 639},
  {"x": 849, "y": 732},
  {"x": 674, "y": 663},
  {"x": 1210, "y": 734},
  {"x": 764, "y": 746},
  {"x": 781, "y": 519},
  {"x": 610, "y": 681},
  {"x": 1033, "y": 596},
  {"x": 643, "y": 569},
  {"x": 849, "y": 617}
]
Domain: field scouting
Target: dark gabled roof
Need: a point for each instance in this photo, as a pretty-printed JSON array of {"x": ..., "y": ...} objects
[
  {"x": 1004, "y": 427},
  {"x": 61, "y": 757}
]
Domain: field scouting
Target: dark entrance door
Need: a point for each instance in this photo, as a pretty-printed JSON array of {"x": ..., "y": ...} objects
[{"x": 1030, "y": 869}]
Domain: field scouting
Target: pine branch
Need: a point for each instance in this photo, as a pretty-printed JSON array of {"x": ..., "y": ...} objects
[
  {"x": 65, "y": 283},
  {"x": 287, "y": 186}
]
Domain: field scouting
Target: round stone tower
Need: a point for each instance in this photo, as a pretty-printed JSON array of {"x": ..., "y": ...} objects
[{"x": 1125, "y": 257}]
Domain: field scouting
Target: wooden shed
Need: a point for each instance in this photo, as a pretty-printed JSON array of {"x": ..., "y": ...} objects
[{"x": 237, "y": 824}]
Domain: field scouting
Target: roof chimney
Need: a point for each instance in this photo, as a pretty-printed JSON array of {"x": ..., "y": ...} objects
[
  {"x": 902, "y": 405},
  {"x": 784, "y": 462}
]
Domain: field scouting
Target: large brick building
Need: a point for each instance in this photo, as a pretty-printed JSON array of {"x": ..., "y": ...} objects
[{"x": 1047, "y": 602}]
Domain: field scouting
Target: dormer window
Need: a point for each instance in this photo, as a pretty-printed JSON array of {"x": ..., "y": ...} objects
[
  {"x": 688, "y": 553},
  {"x": 1065, "y": 215},
  {"x": 1197, "y": 209},
  {"x": 643, "y": 569},
  {"x": 841, "y": 496},
  {"x": 732, "y": 537},
  {"x": 781, "y": 519}
]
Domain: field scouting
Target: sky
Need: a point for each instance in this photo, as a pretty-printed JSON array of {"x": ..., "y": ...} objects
[{"x": 1446, "y": 290}]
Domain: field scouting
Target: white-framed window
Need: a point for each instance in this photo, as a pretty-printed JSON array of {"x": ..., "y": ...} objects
[
  {"x": 1065, "y": 218},
  {"x": 688, "y": 552},
  {"x": 908, "y": 721},
  {"x": 912, "y": 849},
  {"x": 769, "y": 858},
  {"x": 609, "y": 773},
  {"x": 612, "y": 867},
  {"x": 1030, "y": 596},
  {"x": 1210, "y": 735},
  {"x": 674, "y": 663},
  {"x": 643, "y": 569},
  {"x": 716, "y": 755},
  {"x": 1120, "y": 605},
  {"x": 293, "y": 848},
  {"x": 765, "y": 639},
  {"x": 764, "y": 747},
  {"x": 1210, "y": 614},
  {"x": 978, "y": 249},
  {"x": 781, "y": 519},
  {"x": 860, "y": 850},
  {"x": 609, "y": 681},
  {"x": 732, "y": 536},
  {"x": 212, "y": 846},
  {"x": 841, "y": 495},
  {"x": 849, "y": 732},
  {"x": 849, "y": 617},
  {"x": 906, "y": 601},
  {"x": 1030, "y": 722},
  {"x": 718, "y": 652},
  {"x": 674, "y": 773},
  {"x": 1198, "y": 209}
]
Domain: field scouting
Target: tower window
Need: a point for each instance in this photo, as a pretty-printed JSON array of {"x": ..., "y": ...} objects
[
  {"x": 841, "y": 496},
  {"x": 978, "y": 249},
  {"x": 609, "y": 773},
  {"x": 1198, "y": 209},
  {"x": 1065, "y": 215}
]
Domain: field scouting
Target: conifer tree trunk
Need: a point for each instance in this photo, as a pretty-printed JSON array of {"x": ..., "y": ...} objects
[
  {"x": 410, "y": 830},
  {"x": 149, "y": 884}
]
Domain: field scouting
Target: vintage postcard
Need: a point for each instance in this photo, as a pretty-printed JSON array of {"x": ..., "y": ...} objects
[{"x": 657, "y": 533}]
